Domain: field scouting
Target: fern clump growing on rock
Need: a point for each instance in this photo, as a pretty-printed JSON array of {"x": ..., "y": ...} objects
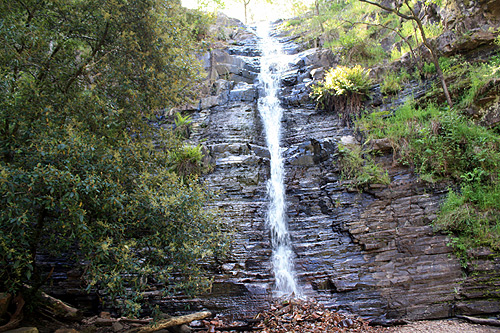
[{"x": 343, "y": 90}]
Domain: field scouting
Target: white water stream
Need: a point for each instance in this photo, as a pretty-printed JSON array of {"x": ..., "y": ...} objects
[{"x": 273, "y": 63}]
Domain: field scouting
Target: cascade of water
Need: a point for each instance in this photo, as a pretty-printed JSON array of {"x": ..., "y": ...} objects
[{"x": 273, "y": 62}]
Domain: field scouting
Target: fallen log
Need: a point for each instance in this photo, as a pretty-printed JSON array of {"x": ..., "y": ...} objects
[
  {"x": 59, "y": 309},
  {"x": 172, "y": 321},
  {"x": 135, "y": 321},
  {"x": 482, "y": 321},
  {"x": 17, "y": 317},
  {"x": 110, "y": 321}
]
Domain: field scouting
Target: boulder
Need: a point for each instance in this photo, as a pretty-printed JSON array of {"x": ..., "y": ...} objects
[
  {"x": 314, "y": 57},
  {"x": 233, "y": 67},
  {"x": 208, "y": 102},
  {"x": 349, "y": 140},
  {"x": 243, "y": 92},
  {"x": 317, "y": 73},
  {"x": 383, "y": 145},
  {"x": 450, "y": 42}
]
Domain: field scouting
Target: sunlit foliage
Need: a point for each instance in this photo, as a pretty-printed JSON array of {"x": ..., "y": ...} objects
[
  {"x": 343, "y": 90},
  {"x": 81, "y": 172}
]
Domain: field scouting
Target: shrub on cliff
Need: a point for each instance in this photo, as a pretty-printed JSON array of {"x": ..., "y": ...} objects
[
  {"x": 440, "y": 143},
  {"x": 343, "y": 90}
]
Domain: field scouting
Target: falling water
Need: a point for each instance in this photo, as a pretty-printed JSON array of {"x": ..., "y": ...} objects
[{"x": 273, "y": 62}]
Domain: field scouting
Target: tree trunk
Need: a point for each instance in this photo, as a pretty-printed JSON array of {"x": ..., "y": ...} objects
[
  {"x": 245, "y": 4},
  {"x": 435, "y": 60}
]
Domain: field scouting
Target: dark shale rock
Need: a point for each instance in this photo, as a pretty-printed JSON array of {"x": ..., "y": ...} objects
[{"x": 371, "y": 251}]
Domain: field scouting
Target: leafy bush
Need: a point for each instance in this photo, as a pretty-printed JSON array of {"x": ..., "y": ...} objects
[
  {"x": 81, "y": 174},
  {"x": 343, "y": 90}
]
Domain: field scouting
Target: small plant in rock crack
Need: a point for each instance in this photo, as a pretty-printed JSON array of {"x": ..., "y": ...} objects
[
  {"x": 393, "y": 82},
  {"x": 359, "y": 166},
  {"x": 343, "y": 91},
  {"x": 187, "y": 161},
  {"x": 182, "y": 125}
]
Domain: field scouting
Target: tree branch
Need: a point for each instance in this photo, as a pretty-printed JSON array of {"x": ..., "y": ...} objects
[
  {"x": 85, "y": 64},
  {"x": 173, "y": 321},
  {"x": 387, "y": 27},
  {"x": 43, "y": 72},
  {"x": 425, "y": 41},
  {"x": 389, "y": 9}
]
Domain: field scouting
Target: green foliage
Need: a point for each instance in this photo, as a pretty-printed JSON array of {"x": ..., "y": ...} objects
[
  {"x": 478, "y": 77},
  {"x": 393, "y": 82},
  {"x": 326, "y": 23},
  {"x": 198, "y": 23},
  {"x": 429, "y": 68},
  {"x": 470, "y": 81},
  {"x": 81, "y": 172},
  {"x": 359, "y": 166},
  {"x": 440, "y": 143},
  {"x": 342, "y": 90},
  {"x": 472, "y": 215},
  {"x": 354, "y": 30},
  {"x": 186, "y": 161},
  {"x": 182, "y": 125}
]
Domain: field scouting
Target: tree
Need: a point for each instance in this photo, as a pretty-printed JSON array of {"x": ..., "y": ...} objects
[
  {"x": 398, "y": 9},
  {"x": 81, "y": 171},
  {"x": 245, "y": 6}
]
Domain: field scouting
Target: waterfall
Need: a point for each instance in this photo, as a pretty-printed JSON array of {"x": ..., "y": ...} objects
[{"x": 273, "y": 62}]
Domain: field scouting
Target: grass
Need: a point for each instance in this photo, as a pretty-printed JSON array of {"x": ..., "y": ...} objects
[
  {"x": 358, "y": 165},
  {"x": 439, "y": 143},
  {"x": 471, "y": 215},
  {"x": 394, "y": 82}
]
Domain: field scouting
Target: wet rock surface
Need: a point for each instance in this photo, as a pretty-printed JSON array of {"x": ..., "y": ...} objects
[
  {"x": 372, "y": 252},
  {"x": 369, "y": 251}
]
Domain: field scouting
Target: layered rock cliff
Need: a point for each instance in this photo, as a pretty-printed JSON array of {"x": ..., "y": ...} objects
[{"x": 371, "y": 251}]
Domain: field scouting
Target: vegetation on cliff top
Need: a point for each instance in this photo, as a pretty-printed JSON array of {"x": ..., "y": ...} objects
[
  {"x": 438, "y": 142},
  {"x": 82, "y": 174}
]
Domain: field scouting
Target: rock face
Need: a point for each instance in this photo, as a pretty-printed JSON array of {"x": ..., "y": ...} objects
[{"x": 372, "y": 252}]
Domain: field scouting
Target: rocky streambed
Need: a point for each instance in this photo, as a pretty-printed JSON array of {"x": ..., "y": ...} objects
[{"x": 371, "y": 252}]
